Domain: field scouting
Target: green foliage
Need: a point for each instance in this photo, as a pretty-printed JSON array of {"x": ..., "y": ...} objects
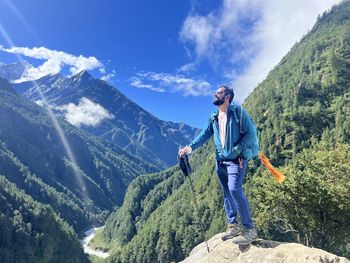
[
  {"x": 313, "y": 205},
  {"x": 159, "y": 215},
  {"x": 304, "y": 95},
  {"x": 96, "y": 259},
  {"x": 99, "y": 242},
  {"x": 305, "y": 100},
  {"x": 144, "y": 195},
  {"x": 32, "y": 232}
]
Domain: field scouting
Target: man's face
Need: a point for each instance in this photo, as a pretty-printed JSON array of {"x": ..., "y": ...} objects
[
  {"x": 219, "y": 97},
  {"x": 220, "y": 93}
]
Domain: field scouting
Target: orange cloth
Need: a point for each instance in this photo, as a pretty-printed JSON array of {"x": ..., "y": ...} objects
[{"x": 276, "y": 173}]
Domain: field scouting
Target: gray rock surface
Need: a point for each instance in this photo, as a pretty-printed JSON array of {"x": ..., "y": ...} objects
[{"x": 260, "y": 251}]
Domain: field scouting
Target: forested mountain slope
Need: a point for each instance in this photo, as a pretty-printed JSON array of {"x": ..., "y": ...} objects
[
  {"x": 82, "y": 177},
  {"x": 32, "y": 232},
  {"x": 308, "y": 93},
  {"x": 302, "y": 112}
]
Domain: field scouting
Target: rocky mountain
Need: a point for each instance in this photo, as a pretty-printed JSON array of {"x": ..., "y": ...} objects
[
  {"x": 80, "y": 176},
  {"x": 302, "y": 114},
  {"x": 13, "y": 71},
  {"x": 100, "y": 109},
  {"x": 260, "y": 251}
]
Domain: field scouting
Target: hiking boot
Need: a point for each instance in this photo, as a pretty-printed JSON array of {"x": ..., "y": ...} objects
[
  {"x": 232, "y": 231},
  {"x": 246, "y": 237}
]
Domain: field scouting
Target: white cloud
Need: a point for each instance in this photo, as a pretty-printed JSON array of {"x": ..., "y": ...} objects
[
  {"x": 137, "y": 82},
  {"x": 54, "y": 62},
  {"x": 107, "y": 77},
  {"x": 244, "y": 55},
  {"x": 198, "y": 29},
  {"x": 162, "y": 82},
  {"x": 218, "y": 36},
  {"x": 282, "y": 25},
  {"x": 85, "y": 113},
  {"x": 188, "y": 67}
]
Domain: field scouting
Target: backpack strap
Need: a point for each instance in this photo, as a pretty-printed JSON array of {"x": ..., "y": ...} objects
[
  {"x": 238, "y": 116},
  {"x": 240, "y": 121}
]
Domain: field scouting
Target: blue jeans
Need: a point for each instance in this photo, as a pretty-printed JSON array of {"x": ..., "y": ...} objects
[{"x": 231, "y": 178}]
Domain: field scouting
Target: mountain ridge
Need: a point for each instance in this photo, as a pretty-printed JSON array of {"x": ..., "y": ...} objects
[
  {"x": 129, "y": 126},
  {"x": 12, "y": 72}
]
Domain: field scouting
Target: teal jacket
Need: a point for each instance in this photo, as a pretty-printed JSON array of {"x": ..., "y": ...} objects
[{"x": 241, "y": 135}]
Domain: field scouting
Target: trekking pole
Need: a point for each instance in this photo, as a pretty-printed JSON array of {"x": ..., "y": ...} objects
[{"x": 186, "y": 169}]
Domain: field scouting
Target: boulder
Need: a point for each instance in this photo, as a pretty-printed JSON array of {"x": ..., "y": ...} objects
[{"x": 259, "y": 251}]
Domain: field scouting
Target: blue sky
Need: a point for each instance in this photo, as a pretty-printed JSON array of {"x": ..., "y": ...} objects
[{"x": 167, "y": 56}]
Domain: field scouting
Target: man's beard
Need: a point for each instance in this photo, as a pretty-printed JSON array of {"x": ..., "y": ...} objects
[{"x": 217, "y": 101}]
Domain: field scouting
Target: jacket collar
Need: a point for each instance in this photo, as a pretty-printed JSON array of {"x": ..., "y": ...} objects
[{"x": 231, "y": 109}]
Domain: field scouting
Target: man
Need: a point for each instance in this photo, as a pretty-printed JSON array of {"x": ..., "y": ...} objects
[{"x": 235, "y": 142}]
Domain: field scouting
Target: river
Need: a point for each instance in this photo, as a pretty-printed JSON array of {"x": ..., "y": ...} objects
[{"x": 88, "y": 250}]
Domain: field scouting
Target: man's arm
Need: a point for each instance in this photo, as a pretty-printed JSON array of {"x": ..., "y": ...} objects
[{"x": 201, "y": 138}]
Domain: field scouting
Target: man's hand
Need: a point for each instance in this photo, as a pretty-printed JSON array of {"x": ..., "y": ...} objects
[{"x": 185, "y": 150}]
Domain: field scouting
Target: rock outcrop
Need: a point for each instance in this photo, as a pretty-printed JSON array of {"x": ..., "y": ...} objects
[{"x": 259, "y": 251}]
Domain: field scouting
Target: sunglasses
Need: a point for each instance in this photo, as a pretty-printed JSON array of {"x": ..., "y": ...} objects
[{"x": 219, "y": 92}]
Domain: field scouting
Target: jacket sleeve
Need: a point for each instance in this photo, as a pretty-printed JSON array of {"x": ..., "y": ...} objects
[
  {"x": 248, "y": 136},
  {"x": 203, "y": 136}
]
